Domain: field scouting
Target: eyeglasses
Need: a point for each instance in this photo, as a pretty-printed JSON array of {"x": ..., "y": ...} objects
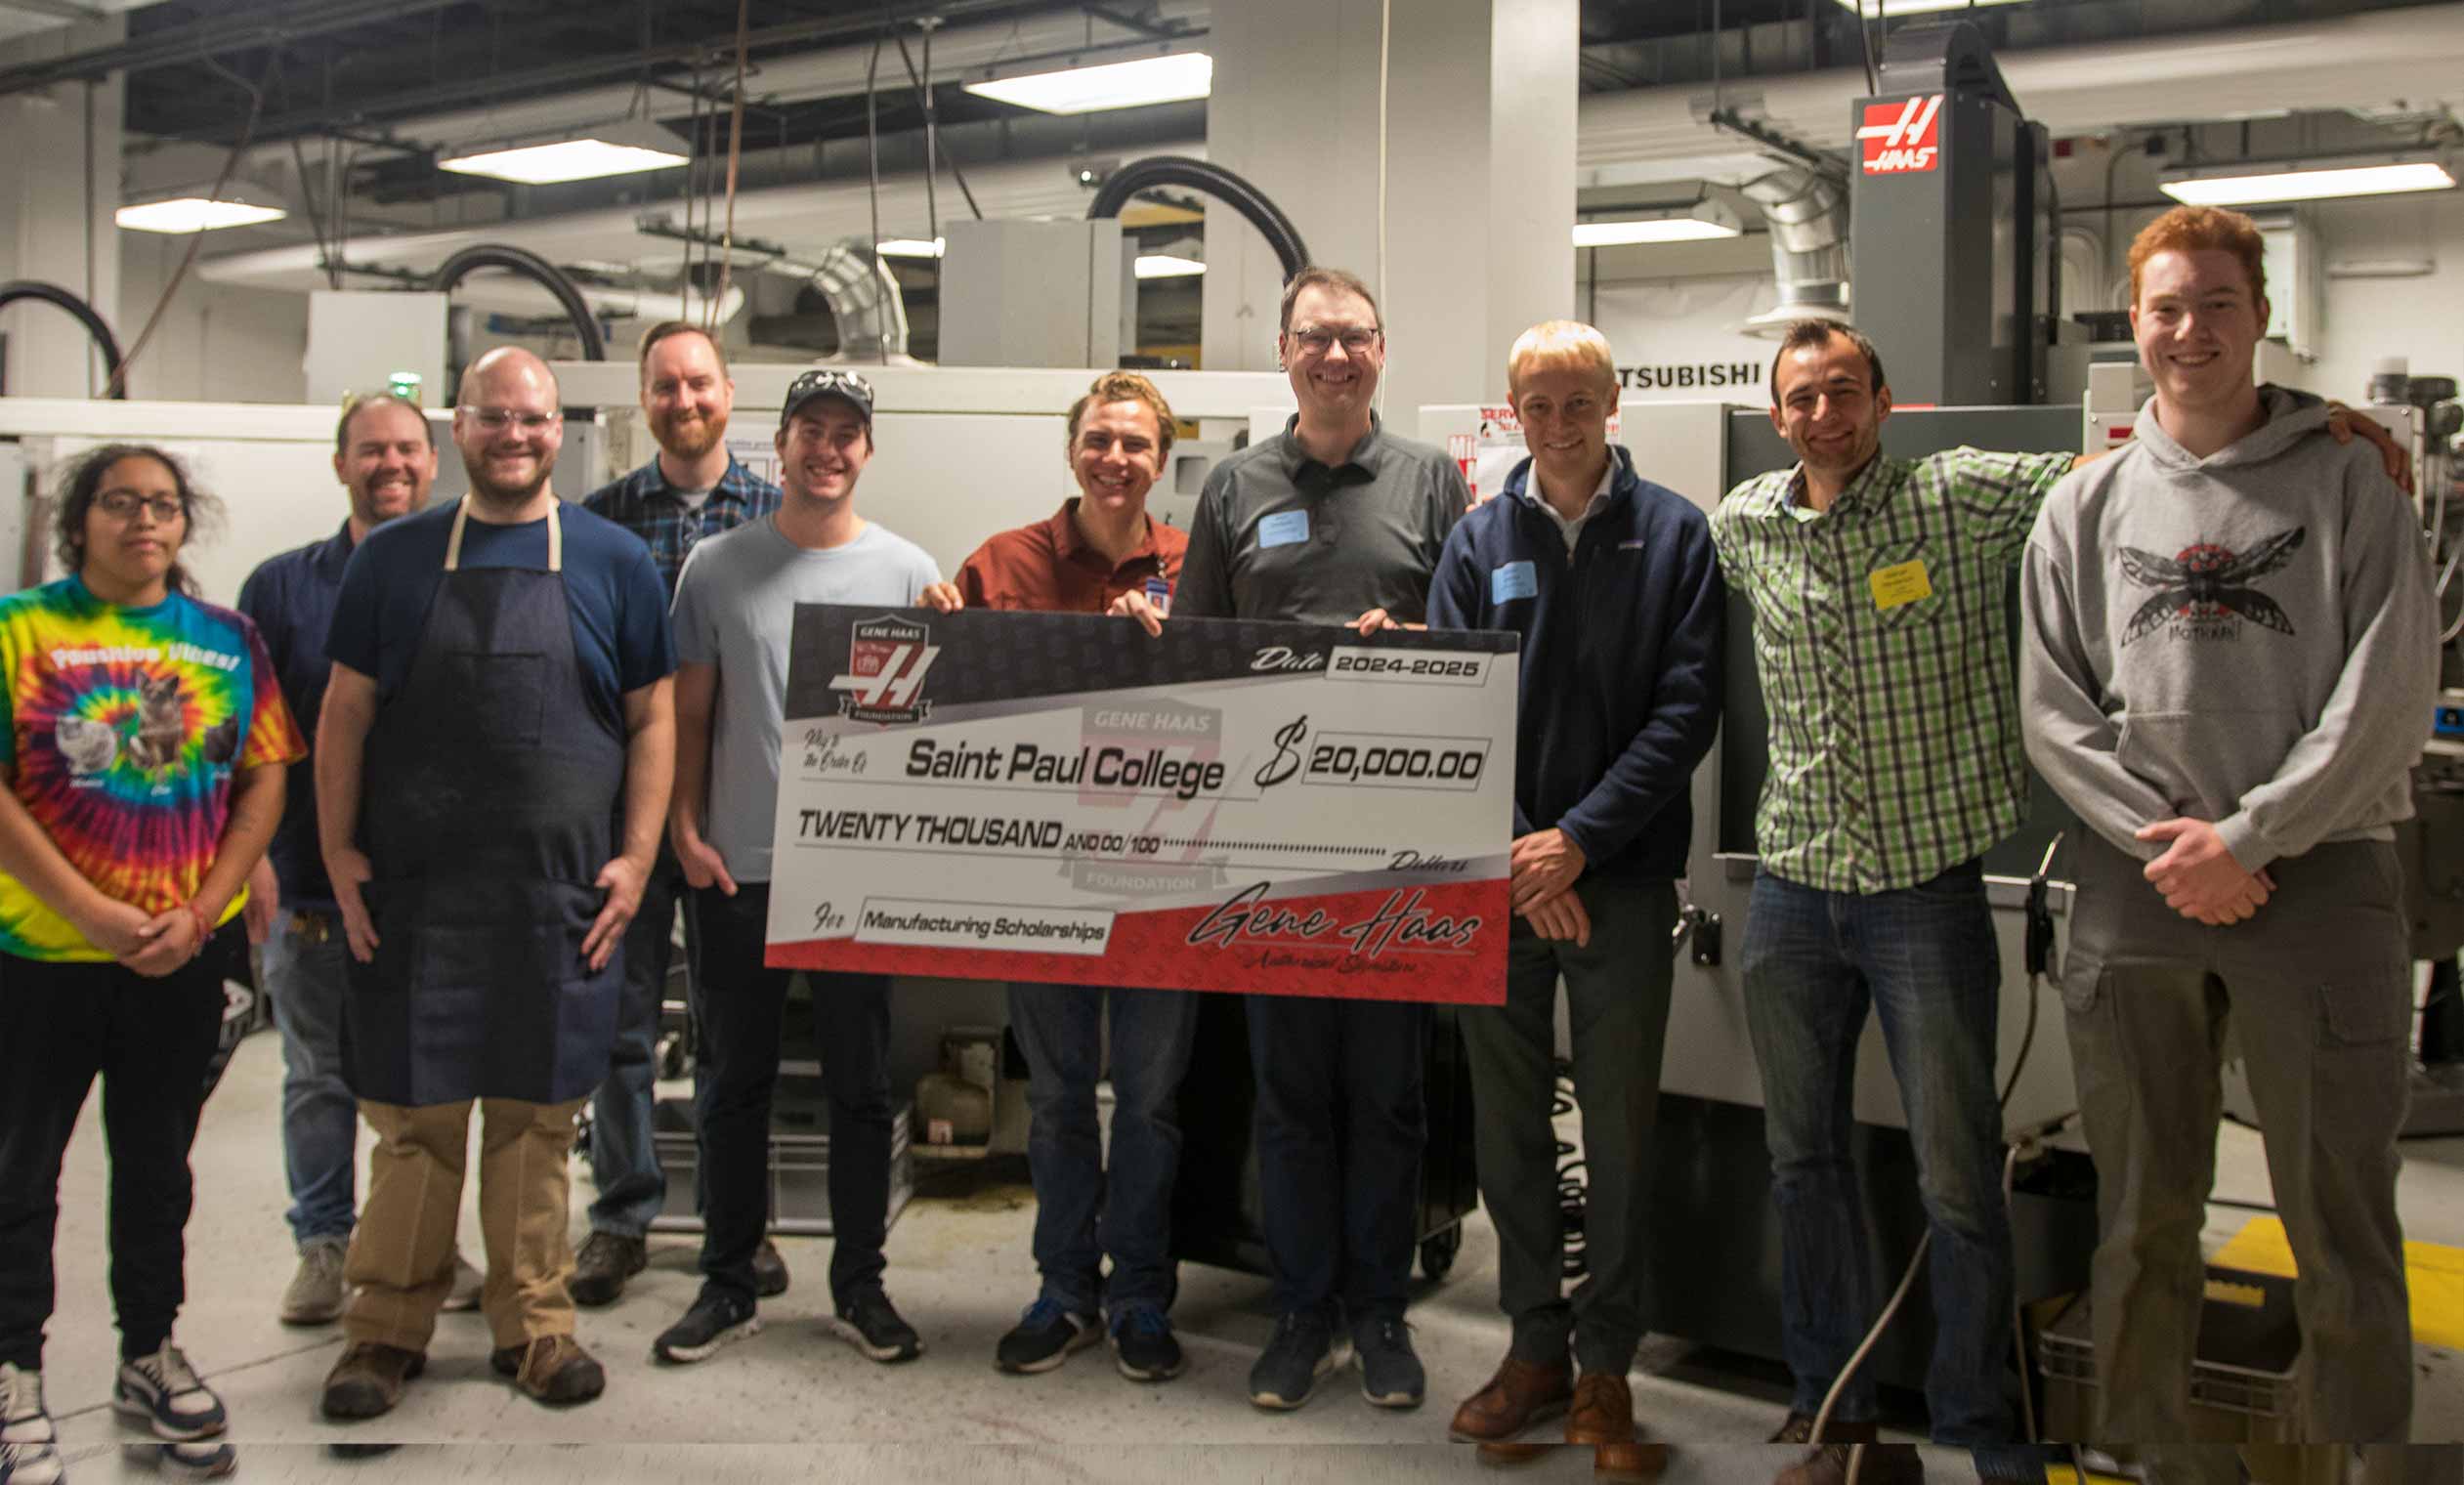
[
  {"x": 498, "y": 419},
  {"x": 1318, "y": 340},
  {"x": 121, "y": 504}
]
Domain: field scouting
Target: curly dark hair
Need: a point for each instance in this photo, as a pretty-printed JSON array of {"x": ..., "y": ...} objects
[{"x": 82, "y": 482}]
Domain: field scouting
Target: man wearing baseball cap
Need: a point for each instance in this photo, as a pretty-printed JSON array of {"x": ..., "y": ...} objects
[{"x": 735, "y": 608}]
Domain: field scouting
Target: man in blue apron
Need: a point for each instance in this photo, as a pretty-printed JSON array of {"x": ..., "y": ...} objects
[{"x": 494, "y": 762}]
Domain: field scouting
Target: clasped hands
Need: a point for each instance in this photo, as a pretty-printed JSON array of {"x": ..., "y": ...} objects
[{"x": 2199, "y": 877}]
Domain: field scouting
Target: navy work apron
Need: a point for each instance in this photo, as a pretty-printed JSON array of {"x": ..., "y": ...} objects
[{"x": 490, "y": 788}]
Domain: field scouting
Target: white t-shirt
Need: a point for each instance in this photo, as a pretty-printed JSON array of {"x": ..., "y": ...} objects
[{"x": 735, "y": 609}]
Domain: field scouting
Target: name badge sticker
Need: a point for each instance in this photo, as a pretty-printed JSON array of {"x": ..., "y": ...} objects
[
  {"x": 1515, "y": 579},
  {"x": 1904, "y": 583},
  {"x": 1284, "y": 527}
]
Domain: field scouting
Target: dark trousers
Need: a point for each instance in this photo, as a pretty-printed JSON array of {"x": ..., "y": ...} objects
[
  {"x": 742, "y": 1015},
  {"x": 623, "y": 1161},
  {"x": 1340, "y": 1123},
  {"x": 1617, "y": 1004},
  {"x": 1083, "y": 1210},
  {"x": 153, "y": 1041}
]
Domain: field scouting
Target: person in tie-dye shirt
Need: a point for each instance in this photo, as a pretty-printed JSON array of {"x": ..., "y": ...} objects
[{"x": 144, "y": 758}]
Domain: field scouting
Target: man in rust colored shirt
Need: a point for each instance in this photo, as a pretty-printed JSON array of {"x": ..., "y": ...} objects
[{"x": 1100, "y": 548}]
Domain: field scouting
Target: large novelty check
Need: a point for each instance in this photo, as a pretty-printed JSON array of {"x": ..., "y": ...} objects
[{"x": 1251, "y": 807}]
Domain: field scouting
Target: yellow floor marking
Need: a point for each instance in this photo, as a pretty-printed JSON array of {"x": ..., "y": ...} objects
[{"x": 2433, "y": 1271}]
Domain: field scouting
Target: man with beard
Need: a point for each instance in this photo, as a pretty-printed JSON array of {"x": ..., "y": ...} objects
[
  {"x": 501, "y": 688},
  {"x": 735, "y": 610},
  {"x": 385, "y": 455},
  {"x": 694, "y": 489}
]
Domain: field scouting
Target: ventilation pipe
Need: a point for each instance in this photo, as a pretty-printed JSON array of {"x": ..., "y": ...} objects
[
  {"x": 865, "y": 300},
  {"x": 1808, "y": 212}
]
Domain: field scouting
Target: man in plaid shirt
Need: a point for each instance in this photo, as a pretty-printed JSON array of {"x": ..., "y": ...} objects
[
  {"x": 1880, "y": 594},
  {"x": 694, "y": 489},
  {"x": 1879, "y": 588}
]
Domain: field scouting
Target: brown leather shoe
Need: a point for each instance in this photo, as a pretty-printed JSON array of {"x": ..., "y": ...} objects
[
  {"x": 1631, "y": 1461},
  {"x": 1603, "y": 1410},
  {"x": 1799, "y": 1430},
  {"x": 1521, "y": 1393},
  {"x": 369, "y": 1379},
  {"x": 553, "y": 1369}
]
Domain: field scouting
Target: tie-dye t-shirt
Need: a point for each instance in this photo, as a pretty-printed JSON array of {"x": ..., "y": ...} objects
[{"x": 125, "y": 726}]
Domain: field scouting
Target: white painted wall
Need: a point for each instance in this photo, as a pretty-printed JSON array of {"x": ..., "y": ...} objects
[
  {"x": 217, "y": 343},
  {"x": 56, "y": 218}
]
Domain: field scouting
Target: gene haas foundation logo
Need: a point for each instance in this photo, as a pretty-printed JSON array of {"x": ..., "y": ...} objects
[
  {"x": 886, "y": 661},
  {"x": 1903, "y": 137}
]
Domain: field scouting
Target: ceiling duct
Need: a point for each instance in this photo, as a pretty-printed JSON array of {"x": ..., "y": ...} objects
[
  {"x": 1808, "y": 212},
  {"x": 865, "y": 300}
]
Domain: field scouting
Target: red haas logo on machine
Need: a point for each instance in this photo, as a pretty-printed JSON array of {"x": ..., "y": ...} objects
[
  {"x": 1903, "y": 137},
  {"x": 886, "y": 661}
]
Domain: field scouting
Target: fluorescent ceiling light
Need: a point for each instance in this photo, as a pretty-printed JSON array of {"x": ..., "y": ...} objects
[
  {"x": 625, "y": 148},
  {"x": 1167, "y": 266},
  {"x": 1170, "y": 79},
  {"x": 907, "y": 248},
  {"x": 2241, "y": 185},
  {"x": 1702, "y": 221},
  {"x": 194, "y": 214},
  {"x": 1895, "y": 9}
]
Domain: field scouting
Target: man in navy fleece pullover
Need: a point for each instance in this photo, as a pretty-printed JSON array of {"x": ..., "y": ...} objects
[{"x": 1612, "y": 582}]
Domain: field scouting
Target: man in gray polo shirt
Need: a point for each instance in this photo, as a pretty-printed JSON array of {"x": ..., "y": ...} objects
[{"x": 1335, "y": 521}]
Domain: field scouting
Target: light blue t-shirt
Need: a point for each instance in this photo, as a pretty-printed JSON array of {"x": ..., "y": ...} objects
[{"x": 735, "y": 608}]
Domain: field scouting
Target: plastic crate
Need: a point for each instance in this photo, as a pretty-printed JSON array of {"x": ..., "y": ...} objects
[
  {"x": 2242, "y": 1381},
  {"x": 799, "y": 1168}
]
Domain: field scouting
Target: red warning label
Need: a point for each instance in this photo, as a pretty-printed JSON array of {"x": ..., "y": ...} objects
[{"x": 1903, "y": 137}]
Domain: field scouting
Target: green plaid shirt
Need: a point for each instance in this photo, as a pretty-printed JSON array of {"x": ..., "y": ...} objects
[{"x": 1882, "y": 632}]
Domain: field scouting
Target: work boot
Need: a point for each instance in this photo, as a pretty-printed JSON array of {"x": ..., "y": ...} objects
[
  {"x": 605, "y": 1260},
  {"x": 1521, "y": 1393},
  {"x": 1603, "y": 1416},
  {"x": 314, "y": 1293},
  {"x": 369, "y": 1379},
  {"x": 553, "y": 1369},
  {"x": 1827, "y": 1463}
]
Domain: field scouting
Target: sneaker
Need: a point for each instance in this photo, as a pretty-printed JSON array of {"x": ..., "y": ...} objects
[
  {"x": 368, "y": 1380},
  {"x": 1390, "y": 1375},
  {"x": 770, "y": 1271},
  {"x": 1142, "y": 1343},
  {"x": 716, "y": 1318},
  {"x": 868, "y": 1323},
  {"x": 1303, "y": 1350},
  {"x": 29, "y": 1449},
  {"x": 552, "y": 1369},
  {"x": 605, "y": 1260},
  {"x": 198, "y": 1460},
  {"x": 1044, "y": 1337},
  {"x": 467, "y": 1283},
  {"x": 315, "y": 1295},
  {"x": 166, "y": 1393}
]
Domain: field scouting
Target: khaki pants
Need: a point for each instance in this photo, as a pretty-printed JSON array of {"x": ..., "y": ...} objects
[
  {"x": 402, "y": 1254},
  {"x": 2317, "y": 992}
]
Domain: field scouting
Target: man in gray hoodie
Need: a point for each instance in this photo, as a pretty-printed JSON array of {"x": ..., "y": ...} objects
[{"x": 2228, "y": 659}]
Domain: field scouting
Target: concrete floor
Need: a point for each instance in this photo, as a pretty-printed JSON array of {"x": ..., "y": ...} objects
[{"x": 794, "y": 1404}]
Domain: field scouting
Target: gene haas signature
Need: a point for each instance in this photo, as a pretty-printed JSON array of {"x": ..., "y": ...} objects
[{"x": 1399, "y": 923}]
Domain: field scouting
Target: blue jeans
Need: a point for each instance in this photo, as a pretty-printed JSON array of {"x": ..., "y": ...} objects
[
  {"x": 624, "y": 1162},
  {"x": 1082, "y": 1210},
  {"x": 1342, "y": 1120},
  {"x": 1922, "y": 957},
  {"x": 304, "y": 973}
]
